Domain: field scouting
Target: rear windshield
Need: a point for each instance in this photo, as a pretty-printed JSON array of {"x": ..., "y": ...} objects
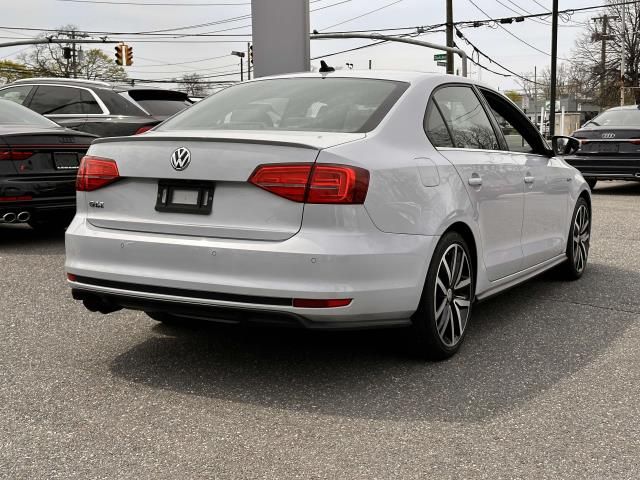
[
  {"x": 295, "y": 104},
  {"x": 161, "y": 102},
  {"x": 618, "y": 118},
  {"x": 13, "y": 114}
]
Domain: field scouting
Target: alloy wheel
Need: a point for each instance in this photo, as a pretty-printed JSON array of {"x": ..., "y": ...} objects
[
  {"x": 453, "y": 294},
  {"x": 581, "y": 235}
]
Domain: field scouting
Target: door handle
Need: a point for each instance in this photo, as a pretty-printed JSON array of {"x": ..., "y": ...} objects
[
  {"x": 475, "y": 181},
  {"x": 529, "y": 179}
]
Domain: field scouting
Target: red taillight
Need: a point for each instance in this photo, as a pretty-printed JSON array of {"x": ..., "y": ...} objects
[
  {"x": 337, "y": 184},
  {"x": 286, "y": 180},
  {"x": 635, "y": 141},
  {"x": 15, "y": 154},
  {"x": 315, "y": 303},
  {"x": 146, "y": 128},
  {"x": 95, "y": 173},
  {"x": 71, "y": 277},
  {"x": 20, "y": 198}
]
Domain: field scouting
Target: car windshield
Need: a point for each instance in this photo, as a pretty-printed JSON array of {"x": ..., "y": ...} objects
[
  {"x": 295, "y": 104},
  {"x": 618, "y": 118},
  {"x": 13, "y": 114}
]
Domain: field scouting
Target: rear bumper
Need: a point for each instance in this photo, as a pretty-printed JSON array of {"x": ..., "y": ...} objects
[
  {"x": 40, "y": 196},
  {"x": 238, "y": 280},
  {"x": 606, "y": 168}
]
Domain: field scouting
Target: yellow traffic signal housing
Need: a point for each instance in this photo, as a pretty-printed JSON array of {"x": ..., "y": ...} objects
[
  {"x": 129, "y": 56},
  {"x": 120, "y": 54}
]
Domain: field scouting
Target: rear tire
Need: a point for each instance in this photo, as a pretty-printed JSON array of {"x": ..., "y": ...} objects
[
  {"x": 591, "y": 182},
  {"x": 440, "y": 323},
  {"x": 578, "y": 241}
]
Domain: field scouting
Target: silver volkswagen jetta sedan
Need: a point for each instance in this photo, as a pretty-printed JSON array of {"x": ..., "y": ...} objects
[{"x": 340, "y": 200}]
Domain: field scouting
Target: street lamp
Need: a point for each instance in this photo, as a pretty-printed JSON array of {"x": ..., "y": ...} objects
[{"x": 241, "y": 56}]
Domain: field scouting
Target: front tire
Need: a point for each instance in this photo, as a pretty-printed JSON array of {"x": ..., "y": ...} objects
[
  {"x": 440, "y": 323},
  {"x": 579, "y": 241}
]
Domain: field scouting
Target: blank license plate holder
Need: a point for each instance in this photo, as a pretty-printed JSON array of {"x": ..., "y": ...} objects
[
  {"x": 65, "y": 161},
  {"x": 606, "y": 147},
  {"x": 185, "y": 197}
]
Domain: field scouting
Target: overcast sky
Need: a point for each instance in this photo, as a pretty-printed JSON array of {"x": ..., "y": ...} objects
[{"x": 152, "y": 60}]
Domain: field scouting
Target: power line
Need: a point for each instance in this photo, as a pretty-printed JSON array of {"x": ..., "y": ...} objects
[
  {"x": 513, "y": 34},
  {"x": 480, "y": 52}
]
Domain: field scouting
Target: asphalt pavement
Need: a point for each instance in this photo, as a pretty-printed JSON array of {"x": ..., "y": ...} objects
[{"x": 545, "y": 387}]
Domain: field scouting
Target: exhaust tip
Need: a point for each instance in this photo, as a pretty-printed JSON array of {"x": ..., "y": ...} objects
[
  {"x": 9, "y": 217},
  {"x": 24, "y": 217}
]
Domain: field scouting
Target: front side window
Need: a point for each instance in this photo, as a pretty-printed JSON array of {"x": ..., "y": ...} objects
[
  {"x": 330, "y": 104},
  {"x": 16, "y": 94},
  {"x": 519, "y": 133},
  {"x": 466, "y": 118}
]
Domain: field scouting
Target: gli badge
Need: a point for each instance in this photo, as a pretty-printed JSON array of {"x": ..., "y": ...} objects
[{"x": 180, "y": 158}]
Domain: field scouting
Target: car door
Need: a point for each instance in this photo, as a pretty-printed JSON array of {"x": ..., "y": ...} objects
[
  {"x": 546, "y": 182},
  {"x": 458, "y": 125},
  {"x": 62, "y": 104}
]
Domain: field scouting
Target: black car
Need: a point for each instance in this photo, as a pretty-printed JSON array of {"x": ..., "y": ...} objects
[
  {"x": 609, "y": 146},
  {"x": 84, "y": 105},
  {"x": 38, "y": 165}
]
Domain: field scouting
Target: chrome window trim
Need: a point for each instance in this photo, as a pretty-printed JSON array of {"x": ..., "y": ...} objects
[{"x": 488, "y": 151}]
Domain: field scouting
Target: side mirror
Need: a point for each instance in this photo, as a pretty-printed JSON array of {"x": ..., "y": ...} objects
[{"x": 565, "y": 145}]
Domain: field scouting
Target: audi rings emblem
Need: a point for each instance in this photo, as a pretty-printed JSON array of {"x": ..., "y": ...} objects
[
  {"x": 180, "y": 158},
  {"x": 608, "y": 135}
]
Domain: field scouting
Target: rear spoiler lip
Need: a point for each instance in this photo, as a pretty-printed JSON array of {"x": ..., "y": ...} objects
[{"x": 142, "y": 138}]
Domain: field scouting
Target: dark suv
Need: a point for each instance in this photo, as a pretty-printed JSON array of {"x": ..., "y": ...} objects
[{"x": 89, "y": 106}]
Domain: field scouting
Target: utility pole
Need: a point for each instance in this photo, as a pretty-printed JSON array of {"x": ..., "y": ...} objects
[
  {"x": 450, "y": 36},
  {"x": 554, "y": 65},
  {"x": 622, "y": 54},
  {"x": 535, "y": 93},
  {"x": 603, "y": 37},
  {"x": 74, "y": 61},
  {"x": 248, "y": 61}
]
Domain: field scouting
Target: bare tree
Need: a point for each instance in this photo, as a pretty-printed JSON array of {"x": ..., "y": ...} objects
[
  {"x": 193, "y": 85},
  {"x": 49, "y": 60}
]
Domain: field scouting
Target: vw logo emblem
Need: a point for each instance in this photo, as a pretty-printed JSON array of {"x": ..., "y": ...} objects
[
  {"x": 608, "y": 135},
  {"x": 180, "y": 158}
]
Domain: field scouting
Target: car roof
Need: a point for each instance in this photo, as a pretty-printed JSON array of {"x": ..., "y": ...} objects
[
  {"x": 409, "y": 76},
  {"x": 79, "y": 82}
]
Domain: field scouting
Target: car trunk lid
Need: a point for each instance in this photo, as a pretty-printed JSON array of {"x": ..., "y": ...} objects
[{"x": 221, "y": 163}]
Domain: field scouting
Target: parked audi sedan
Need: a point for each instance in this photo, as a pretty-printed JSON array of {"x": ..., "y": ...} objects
[
  {"x": 610, "y": 146},
  {"x": 38, "y": 164},
  {"x": 340, "y": 200}
]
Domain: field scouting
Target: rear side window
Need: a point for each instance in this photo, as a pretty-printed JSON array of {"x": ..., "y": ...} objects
[
  {"x": 435, "y": 127},
  {"x": 52, "y": 100},
  {"x": 466, "y": 118},
  {"x": 330, "y": 104},
  {"x": 16, "y": 94},
  {"x": 118, "y": 105}
]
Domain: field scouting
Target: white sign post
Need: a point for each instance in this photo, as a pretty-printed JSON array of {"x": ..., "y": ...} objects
[{"x": 281, "y": 42}]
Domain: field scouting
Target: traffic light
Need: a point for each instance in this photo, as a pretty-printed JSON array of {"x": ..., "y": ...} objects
[
  {"x": 251, "y": 54},
  {"x": 120, "y": 51},
  {"x": 129, "y": 56}
]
